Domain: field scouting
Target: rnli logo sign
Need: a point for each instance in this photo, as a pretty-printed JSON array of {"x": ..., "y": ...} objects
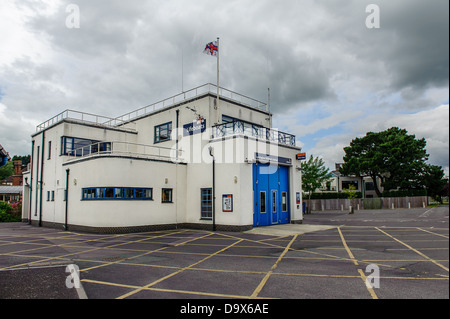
[{"x": 194, "y": 127}]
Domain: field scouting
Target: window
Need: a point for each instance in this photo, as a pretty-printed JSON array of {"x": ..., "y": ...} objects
[
  {"x": 166, "y": 195},
  {"x": 284, "y": 201},
  {"x": 348, "y": 184},
  {"x": 81, "y": 147},
  {"x": 53, "y": 196},
  {"x": 206, "y": 203},
  {"x": 262, "y": 196},
  {"x": 48, "y": 196},
  {"x": 117, "y": 193},
  {"x": 370, "y": 186},
  {"x": 49, "y": 149},
  {"x": 163, "y": 132},
  {"x": 274, "y": 201}
]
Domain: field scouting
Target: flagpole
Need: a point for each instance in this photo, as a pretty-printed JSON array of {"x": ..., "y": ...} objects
[{"x": 217, "y": 105}]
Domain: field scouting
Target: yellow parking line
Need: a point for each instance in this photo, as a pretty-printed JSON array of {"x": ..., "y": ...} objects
[
  {"x": 355, "y": 262},
  {"x": 427, "y": 231},
  {"x": 414, "y": 250},
  {"x": 137, "y": 256},
  {"x": 349, "y": 252},
  {"x": 176, "y": 272},
  {"x": 188, "y": 292},
  {"x": 264, "y": 280},
  {"x": 66, "y": 255}
]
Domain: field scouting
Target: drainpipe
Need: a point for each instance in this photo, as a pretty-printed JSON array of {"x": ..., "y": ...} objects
[
  {"x": 42, "y": 176},
  {"x": 213, "y": 188},
  {"x": 67, "y": 197},
  {"x": 178, "y": 116},
  {"x": 31, "y": 182}
]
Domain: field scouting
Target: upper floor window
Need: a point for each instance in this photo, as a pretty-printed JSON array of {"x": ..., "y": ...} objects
[
  {"x": 163, "y": 132},
  {"x": 81, "y": 147},
  {"x": 49, "y": 150}
]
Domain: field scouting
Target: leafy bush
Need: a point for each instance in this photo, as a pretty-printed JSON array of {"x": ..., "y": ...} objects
[{"x": 6, "y": 214}]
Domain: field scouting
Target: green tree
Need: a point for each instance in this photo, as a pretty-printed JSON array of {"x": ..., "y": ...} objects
[
  {"x": 434, "y": 180},
  {"x": 314, "y": 174},
  {"x": 393, "y": 156},
  {"x": 351, "y": 192},
  {"x": 7, "y": 170}
]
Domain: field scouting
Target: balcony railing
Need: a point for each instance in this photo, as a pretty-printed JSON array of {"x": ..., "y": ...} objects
[
  {"x": 248, "y": 129},
  {"x": 198, "y": 91},
  {"x": 126, "y": 150},
  {"x": 83, "y": 117}
]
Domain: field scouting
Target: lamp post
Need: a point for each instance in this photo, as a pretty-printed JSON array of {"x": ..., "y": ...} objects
[{"x": 213, "y": 188}]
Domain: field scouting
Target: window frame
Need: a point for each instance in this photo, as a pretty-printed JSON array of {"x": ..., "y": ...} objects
[
  {"x": 261, "y": 203},
  {"x": 163, "y": 127},
  {"x": 111, "y": 193},
  {"x": 49, "y": 150},
  {"x": 204, "y": 213},
  {"x": 284, "y": 205},
  {"x": 170, "y": 200},
  {"x": 78, "y": 142}
]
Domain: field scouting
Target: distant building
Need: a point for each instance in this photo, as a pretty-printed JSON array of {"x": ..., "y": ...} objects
[
  {"x": 340, "y": 183},
  {"x": 11, "y": 187},
  {"x": 11, "y": 194}
]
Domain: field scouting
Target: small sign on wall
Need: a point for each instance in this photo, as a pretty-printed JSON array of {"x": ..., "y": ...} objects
[{"x": 227, "y": 202}]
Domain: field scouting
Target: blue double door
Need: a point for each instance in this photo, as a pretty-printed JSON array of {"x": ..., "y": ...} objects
[{"x": 271, "y": 194}]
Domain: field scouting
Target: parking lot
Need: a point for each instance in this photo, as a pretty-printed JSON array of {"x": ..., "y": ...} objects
[{"x": 391, "y": 254}]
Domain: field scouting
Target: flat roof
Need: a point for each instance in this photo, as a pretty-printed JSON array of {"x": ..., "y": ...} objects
[
  {"x": 118, "y": 122},
  {"x": 11, "y": 189}
]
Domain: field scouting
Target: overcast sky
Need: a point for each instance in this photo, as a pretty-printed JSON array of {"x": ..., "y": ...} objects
[{"x": 331, "y": 77}]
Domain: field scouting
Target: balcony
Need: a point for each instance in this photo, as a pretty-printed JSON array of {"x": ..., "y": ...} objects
[
  {"x": 125, "y": 149},
  {"x": 248, "y": 129}
]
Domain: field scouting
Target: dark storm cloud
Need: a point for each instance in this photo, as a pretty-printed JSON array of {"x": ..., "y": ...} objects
[
  {"x": 314, "y": 55},
  {"x": 296, "y": 48}
]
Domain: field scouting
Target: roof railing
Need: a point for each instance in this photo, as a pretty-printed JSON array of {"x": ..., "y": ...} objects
[
  {"x": 82, "y": 117},
  {"x": 124, "y": 120},
  {"x": 196, "y": 92}
]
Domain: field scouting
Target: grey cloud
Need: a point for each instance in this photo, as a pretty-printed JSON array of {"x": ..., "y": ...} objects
[{"x": 128, "y": 54}]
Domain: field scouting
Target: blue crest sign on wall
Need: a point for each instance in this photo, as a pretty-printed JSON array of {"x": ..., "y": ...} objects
[{"x": 195, "y": 127}]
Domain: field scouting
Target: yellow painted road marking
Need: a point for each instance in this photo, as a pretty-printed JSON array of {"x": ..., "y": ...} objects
[
  {"x": 349, "y": 252},
  {"x": 144, "y": 254},
  {"x": 414, "y": 250},
  {"x": 66, "y": 255},
  {"x": 188, "y": 292},
  {"x": 267, "y": 276},
  {"x": 355, "y": 262},
  {"x": 427, "y": 231},
  {"x": 176, "y": 272}
]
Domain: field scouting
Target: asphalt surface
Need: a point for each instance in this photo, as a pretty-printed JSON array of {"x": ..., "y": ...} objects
[{"x": 330, "y": 256}]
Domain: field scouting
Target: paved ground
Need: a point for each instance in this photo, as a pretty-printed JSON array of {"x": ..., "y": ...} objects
[{"x": 330, "y": 256}]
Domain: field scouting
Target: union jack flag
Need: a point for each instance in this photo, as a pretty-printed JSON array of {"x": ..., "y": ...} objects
[{"x": 211, "y": 48}]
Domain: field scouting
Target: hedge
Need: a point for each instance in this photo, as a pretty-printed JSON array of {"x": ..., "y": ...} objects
[
  {"x": 405, "y": 193},
  {"x": 330, "y": 195}
]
